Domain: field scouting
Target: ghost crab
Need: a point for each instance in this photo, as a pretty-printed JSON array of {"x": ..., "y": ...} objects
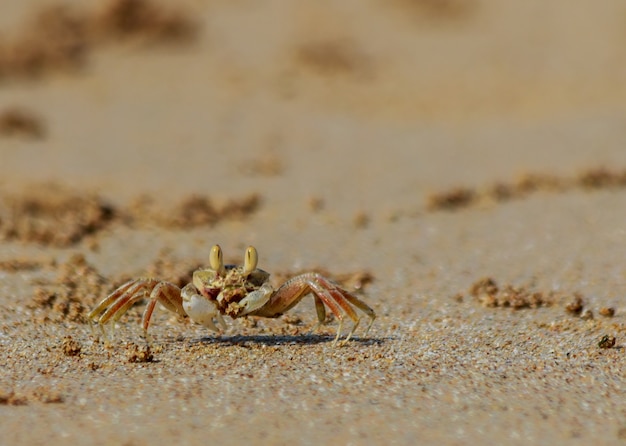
[{"x": 235, "y": 291}]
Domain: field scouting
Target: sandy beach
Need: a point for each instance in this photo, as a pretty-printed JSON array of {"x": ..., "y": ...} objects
[{"x": 460, "y": 166}]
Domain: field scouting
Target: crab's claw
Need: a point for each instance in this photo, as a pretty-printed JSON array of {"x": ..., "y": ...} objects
[{"x": 200, "y": 309}]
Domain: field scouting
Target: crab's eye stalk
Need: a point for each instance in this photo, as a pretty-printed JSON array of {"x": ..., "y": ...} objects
[
  {"x": 216, "y": 261},
  {"x": 250, "y": 260}
]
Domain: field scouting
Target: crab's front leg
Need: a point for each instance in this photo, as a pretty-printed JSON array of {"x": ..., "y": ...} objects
[
  {"x": 168, "y": 295},
  {"x": 200, "y": 309}
]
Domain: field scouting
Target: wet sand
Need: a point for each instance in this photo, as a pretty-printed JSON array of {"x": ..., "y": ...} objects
[{"x": 458, "y": 165}]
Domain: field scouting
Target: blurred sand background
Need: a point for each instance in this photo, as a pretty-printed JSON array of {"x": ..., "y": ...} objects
[{"x": 410, "y": 148}]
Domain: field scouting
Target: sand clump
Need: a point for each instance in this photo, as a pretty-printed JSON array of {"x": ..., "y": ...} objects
[
  {"x": 10, "y": 398},
  {"x": 138, "y": 354},
  {"x": 488, "y": 293},
  {"x": 25, "y": 264},
  {"x": 196, "y": 210},
  {"x": 491, "y": 295},
  {"x": 189, "y": 212},
  {"x": 70, "y": 297},
  {"x": 44, "y": 395},
  {"x": 54, "y": 215},
  {"x": 607, "y": 311},
  {"x": 70, "y": 346},
  {"x": 458, "y": 197},
  {"x": 524, "y": 186},
  {"x": 575, "y": 305},
  {"x": 332, "y": 57},
  {"x": 20, "y": 122},
  {"x": 601, "y": 178},
  {"x": 50, "y": 214},
  {"x": 142, "y": 19},
  {"x": 60, "y": 38},
  {"x": 55, "y": 38}
]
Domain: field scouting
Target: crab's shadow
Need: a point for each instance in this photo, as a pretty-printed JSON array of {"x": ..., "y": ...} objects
[{"x": 244, "y": 340}]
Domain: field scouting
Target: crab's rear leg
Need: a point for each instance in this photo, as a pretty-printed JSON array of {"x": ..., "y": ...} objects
[
  {"x": 343, "y": 294},
  {"x": 337, "y": 305},
  {"x": 122, "y": 293},
  {"x": 112, "y": 307},
  {"x": 116, "y": 304},
  {"x": 325, "y": 293},
  {"x": 119, "y": 301},
  {"x": 320, "y": 309}
]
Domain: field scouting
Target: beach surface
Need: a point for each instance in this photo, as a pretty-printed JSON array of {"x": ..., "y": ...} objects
[{"x": 460, "y": 166}]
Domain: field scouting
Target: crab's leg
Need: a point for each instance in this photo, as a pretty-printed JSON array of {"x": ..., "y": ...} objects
[
  {"x": 321, "y": 288},
  {"x": 133, "y": 293},
  {"x": 169, "y": 296},
  {"x": 342, "y": 296},
  {"x": 292, "y": 292},
  {"x": 129, "y": 303},
  {"x": 320, "y": 309},
  {"x": 104, "y": 303},
  {"x": 324, "y": 292},
  {"x": 360, "y": 305}
]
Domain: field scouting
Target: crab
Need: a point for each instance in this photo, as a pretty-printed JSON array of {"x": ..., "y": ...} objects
[{"x": 235, "y": 291}]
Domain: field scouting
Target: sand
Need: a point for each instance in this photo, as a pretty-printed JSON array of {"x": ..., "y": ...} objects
[{"x": 458, "y": 165}]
